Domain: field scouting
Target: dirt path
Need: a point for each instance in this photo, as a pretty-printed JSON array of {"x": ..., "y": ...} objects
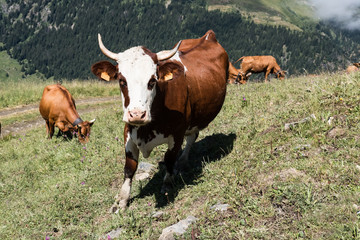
[{"x": 22, "y": 126}]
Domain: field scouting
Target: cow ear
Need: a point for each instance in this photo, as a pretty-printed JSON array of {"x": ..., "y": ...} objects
[
  {"x": 172, "y": 81},
  {"x": 169, "y": 71},
  {"x": 105, "y": 70}
]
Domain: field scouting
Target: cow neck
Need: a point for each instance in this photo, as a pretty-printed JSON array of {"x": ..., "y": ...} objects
[
  {"x": 77, "y": 121},
  {"x": 73, "y": 117}
]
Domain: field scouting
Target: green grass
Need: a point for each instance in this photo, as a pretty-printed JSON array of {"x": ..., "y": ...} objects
[
  {"x": 296, "y": 184},
  {"x": 27, "y": 91},
  {"x": 288, "y": 13},
  {"x": 17, "y": 90}
]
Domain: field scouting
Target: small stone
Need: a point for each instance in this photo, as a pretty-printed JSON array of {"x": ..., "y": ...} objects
[
  {"x": 142, "y": 176},
  {"x": 114, "y": 234},
  {"x": 178, "y": 228},
  {"x": 302, "y": 147},
  {"x": 336, "y": 132},
  {"x": 145, "y": 167},
  {"x": 157, "y": 215},
  {"x": 220, "y": 207}
]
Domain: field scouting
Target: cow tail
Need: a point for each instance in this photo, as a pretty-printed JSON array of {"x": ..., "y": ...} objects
[{"x": 239, "y": 59}]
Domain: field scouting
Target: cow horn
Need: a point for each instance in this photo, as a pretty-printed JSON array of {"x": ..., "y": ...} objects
[
  {"x": 108, "y": 53},
  {"x": 166, "y": 54}
]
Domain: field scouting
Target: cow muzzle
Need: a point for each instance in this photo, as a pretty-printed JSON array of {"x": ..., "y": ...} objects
[{"x": 137, "y": 117}]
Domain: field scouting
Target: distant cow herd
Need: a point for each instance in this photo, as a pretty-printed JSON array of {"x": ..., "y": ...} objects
[{"x": 167, "y": 97}]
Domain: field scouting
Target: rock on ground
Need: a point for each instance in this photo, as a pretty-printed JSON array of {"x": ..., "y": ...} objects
[
  {"x": 220, "y": 207},
  {"x": 178, "y": 228}
]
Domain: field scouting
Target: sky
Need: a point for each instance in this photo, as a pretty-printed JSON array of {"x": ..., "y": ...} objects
[{"x": 346, "y": 12}]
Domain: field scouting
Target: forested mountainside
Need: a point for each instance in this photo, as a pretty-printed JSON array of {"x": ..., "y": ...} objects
[{"x": 59, "y": 38}]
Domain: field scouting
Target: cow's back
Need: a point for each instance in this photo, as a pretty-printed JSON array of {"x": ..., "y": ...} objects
[
  {"x": 258, "y": 63},
  {"x": 206, "y": 65},
  {"x": 55, "y": 101},
  {"x": 351, "y": 69}
]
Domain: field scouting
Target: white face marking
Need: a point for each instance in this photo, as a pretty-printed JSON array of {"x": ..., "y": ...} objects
[{"x": 138, "y": 68}]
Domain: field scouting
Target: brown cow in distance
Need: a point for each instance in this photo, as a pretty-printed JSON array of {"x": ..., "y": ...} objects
[
  {"x": 166, "y": 96},
  {"x": 353, "y": 68},
  {"x": 57, "y": 107},
  {"x": 258, "y": 64}
]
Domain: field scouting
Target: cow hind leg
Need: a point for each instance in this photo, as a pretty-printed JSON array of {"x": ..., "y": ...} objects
[
  {"x": 182, "y": 162},
  {"x": 51, "y": 127},
  {"x": 170, "y": 159},
  {"x": 131, "y": 164},
  {"x": 47, "y": 125}
]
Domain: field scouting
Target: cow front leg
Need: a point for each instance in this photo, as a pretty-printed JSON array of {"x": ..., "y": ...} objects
[
  {"x": 61, "y": 128},
  {"x": 267, "y": 74},
  {"x": 131, "y": 164}
]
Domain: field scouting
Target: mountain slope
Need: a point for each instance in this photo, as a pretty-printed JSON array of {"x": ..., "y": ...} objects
[
  {"x": 288, "y": 13},
  {"x": 59, "y": 41}
]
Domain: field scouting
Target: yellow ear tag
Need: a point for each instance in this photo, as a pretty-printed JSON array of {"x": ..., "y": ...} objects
[
  {"x": 105, "y": 76},
  {"x": 168, "y": 76}
]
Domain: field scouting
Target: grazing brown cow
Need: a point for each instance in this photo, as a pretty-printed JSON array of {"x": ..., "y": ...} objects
[
  {"x": 353, "y": 68},
  {"x": 258, "y": 64},
  {"x": 235, "y": 75},
  {"x": 57, "y": 107},
  {"x": 167, "y": 96}
]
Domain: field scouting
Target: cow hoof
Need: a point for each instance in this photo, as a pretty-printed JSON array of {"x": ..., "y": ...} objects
[
  {"x": 166, "y": 187},
  {"x": 114, "y": 209},
  {"x": 118, "y": 206}
]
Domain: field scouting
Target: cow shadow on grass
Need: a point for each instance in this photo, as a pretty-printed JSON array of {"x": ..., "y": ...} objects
[{"x": 210, "y": 149}]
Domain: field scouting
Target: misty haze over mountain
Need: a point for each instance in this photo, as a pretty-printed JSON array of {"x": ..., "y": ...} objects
[{"x": 344, "y": 12}]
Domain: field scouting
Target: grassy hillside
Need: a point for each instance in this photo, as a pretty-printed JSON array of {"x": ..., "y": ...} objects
[
  {"x": 10, "y": 69},
  {"x": 301, "y": 183},
  {"x": 18, "y": 89},
  {"x": 288, "y": 13}
]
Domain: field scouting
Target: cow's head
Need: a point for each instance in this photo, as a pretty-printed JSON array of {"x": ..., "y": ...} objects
[
  {"x": 83, "y": 131},
  {"x": 137, "y": 72},
  {"x": 357, "y": 64},
  {"x": 280, "y": 74}
]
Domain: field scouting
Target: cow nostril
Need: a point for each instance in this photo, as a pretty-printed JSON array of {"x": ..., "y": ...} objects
[
  {"x": 130, "y": 114},
  {"x": 143, "y": 115}
]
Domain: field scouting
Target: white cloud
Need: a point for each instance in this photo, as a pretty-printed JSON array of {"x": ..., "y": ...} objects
[{"x": 345, "y": 12}]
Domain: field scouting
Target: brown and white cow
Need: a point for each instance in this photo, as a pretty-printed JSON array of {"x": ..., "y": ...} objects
[
  {"x": 353, "y": 68},
  {"x": 258, "y": 64},
  {"x": 57, "y": 107},
  {"x": 166, "y": 97}
]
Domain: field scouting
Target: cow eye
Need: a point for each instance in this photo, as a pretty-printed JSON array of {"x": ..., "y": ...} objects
[
  {"x": 151, "y": 83},
  {"x": 123, "y": 83}
]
